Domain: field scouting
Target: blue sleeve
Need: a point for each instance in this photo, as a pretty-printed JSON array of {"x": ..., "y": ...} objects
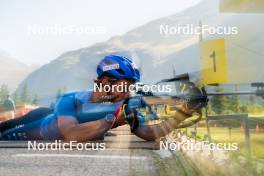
[
  {"x": 66, "y": 106},
  {"x": 139, "y": 105}
]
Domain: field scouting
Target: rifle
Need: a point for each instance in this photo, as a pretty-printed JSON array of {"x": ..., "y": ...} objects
[{"x": 184, "y": 80}]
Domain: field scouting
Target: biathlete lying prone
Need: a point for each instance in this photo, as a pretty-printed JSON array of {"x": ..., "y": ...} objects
[{"x": 88, "y": 115}]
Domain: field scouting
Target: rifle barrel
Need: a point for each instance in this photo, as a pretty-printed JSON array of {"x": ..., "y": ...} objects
[{"x": 230, "y": 93}]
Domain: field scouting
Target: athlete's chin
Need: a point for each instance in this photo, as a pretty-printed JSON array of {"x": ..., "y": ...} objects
[
  {"x": 118, "y": 98},
  {"x": 115, "y": 100}
]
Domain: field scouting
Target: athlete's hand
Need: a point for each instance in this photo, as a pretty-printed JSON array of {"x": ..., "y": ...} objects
[
  {"x": 126, "y": 113},
  {"x": 134, "y": 103},
  {"x": 137, "y": 111},
  {"x": 195, "y": 98}
]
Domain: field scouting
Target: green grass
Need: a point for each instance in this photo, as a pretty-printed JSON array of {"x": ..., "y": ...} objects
[{"x": 221, "y": 135}]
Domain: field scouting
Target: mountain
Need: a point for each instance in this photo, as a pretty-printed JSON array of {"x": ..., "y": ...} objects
[
  {"x": 12, "y": 72},
  {"x": 157, "y": 54}
]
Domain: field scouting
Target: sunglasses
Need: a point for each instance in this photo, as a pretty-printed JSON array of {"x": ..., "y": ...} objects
[{"x": 111, "y": 80}]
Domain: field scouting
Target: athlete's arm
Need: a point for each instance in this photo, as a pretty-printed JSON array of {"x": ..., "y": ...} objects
[
  {"x": 157, "y": 128},
  {"x": 73, "y": 131},
  {"x": 149, "y": 126},
  {"x": 69, "y": 126},
  {"x": 152, "y": 132}
]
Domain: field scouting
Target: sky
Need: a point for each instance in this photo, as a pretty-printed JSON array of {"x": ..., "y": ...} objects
[{"x": 36, "y": 32}]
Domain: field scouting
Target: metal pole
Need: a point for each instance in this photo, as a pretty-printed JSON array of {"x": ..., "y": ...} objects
[
  {"x": 174, "y": 75},
  {"x": 229, "y": 132},
  {"x": 230, "y": 93},
  {"x": 207, "y": 125},
  {"x": 195, "y": 132},
  {"x": 201, "y": 34},
  {"x": 247, "y": 137}
]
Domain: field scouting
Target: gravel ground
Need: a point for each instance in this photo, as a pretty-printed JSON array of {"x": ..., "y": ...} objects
[{"x": 108, "y": 162}]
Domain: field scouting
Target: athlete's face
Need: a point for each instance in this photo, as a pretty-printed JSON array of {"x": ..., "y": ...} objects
[{"x": 115, "y": 89}]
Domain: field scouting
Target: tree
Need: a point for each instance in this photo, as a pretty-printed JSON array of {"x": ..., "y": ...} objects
[
  {"x": 209, "y": 108},
  {"x": 252, "y": 99},
  {"x": 243, "y": 109},
  {"x": 24, "y": 97},
  {"x": 234, "y": 103},
  {"x": 35, "y": 100},
  {"x": 16, "y": 98},
  {"x": 219, "y": 103},
  {"x": 3, "y": 92},
  {"x": 59, "y": 93}
]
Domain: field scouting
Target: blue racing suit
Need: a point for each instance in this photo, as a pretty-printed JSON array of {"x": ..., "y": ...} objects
[
  {"x": 41, "y": 126},
  {"x": 74, "y": 104}
]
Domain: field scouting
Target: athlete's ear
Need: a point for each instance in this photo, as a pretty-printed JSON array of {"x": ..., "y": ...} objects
[
  {"x": 131, "y": 81},
  {"x": 96, "y": 81}
]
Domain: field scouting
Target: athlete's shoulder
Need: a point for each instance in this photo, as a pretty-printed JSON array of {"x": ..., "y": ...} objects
[
  {"x": 66, "y": 104},
  {"x": 66, "y": 98},
  {"x": 83, "y": 96},
  {"x": 70, "y": 93}
]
